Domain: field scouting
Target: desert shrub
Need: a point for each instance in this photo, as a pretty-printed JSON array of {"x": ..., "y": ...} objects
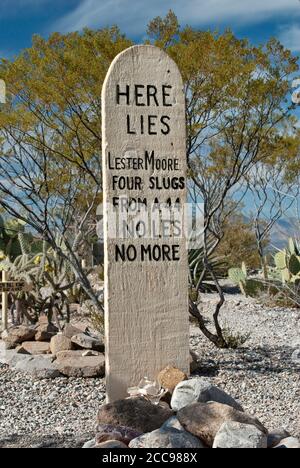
[
  {"x": 239, "y": 243},
  {"x": 234, "y": 340},
  {"x": 97, "y": 320},
  {"x": 199, "y": 277}
]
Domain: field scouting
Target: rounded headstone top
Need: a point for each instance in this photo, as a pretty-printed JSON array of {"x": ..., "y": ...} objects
[{"x": 145, "y": 61}]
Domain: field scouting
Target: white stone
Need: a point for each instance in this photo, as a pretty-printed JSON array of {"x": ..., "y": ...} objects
[
  {"x": 146, "y": 302},
  {"x": 296, "y": 356},
  {"x": 39, "y": 367},
  {"x": 289, "y": 443},
  {"x": 90, "y": 444},
  {"x": 200, "y": 390},
  {"x": 234, "y": 435},
  {"x": 167, "y": 439}
]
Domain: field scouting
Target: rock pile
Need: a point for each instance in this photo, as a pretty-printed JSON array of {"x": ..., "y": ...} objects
[
  {"x": 199, "y": 415},
  {"x": 45, "y": 353}
]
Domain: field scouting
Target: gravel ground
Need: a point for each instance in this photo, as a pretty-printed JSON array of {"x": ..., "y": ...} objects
[{"x": 261, "y": 375}]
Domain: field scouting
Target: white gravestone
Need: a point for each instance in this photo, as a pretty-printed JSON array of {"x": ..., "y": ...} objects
[{"x": 144, "y": 165}]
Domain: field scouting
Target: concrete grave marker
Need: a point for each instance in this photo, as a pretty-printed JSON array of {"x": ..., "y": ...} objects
[{"x": 144, "y": 166}]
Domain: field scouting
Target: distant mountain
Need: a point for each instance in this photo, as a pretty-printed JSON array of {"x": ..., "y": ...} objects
[{"x": 283, "y": 229}]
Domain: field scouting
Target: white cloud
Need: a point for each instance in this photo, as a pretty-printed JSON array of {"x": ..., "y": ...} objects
[
  {"x": 133, "y": 15},
  {"x": 290, "y": 37}
]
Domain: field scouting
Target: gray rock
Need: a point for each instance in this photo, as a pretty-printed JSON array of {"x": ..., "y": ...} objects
[
  {"x": 204, "y": 420},
  {"x": 69, "y": 331},
  {"x": 78, "y": 353},
  {"x": 122, "y": 433},
  {"x": 16, "y": 335},
  {"x": 289, "y": 443},
  {"x": 84, "y": 341},
  {"x": 90, "y": 444},
  {"x": 34, "y": 348},
  {"x": 194, "y": 361},
  {"x": 11, "y": 358},
  {"x": 94, "y": 334},
  {"x": 39, "y": 367},
  {"x": 276, "y": 436},
  {"x": 89, "y": 352},
  {"x": 172, "y": 424},
  {"x": 78, "y": 366},
  {"x": 21, "y": 350},
  {"x": 166, "y": 439},
  {"x": 296, "y": 357},
  {"x": 45, "y": 331},
  {"x": 6, "y": 355},
  {"x": 59, "y": 343},
  {"x": 136, "y": 413},
  {"x": 235, "y": 435},
  {"x": 202, "y": 391},
  {"x": 111, "y": 444}
]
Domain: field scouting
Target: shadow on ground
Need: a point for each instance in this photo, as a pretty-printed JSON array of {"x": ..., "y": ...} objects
[
  {"x": 46, "y": 441},
  {"x": 261, "y": 360}
]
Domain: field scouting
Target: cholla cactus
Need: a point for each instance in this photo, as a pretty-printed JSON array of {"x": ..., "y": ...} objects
[
  {"x": 48, "y": 282},
  {"x": 9, "y": 241}
]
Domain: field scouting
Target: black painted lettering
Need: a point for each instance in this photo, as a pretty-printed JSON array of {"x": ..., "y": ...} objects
[
  {"x": 138, "y": 95},
  {"x": 152, "y": 119},
  {"x": 149, "y": 160},
  {"x": 110, "y": 163},
  {"x": 166, "y": 95},
  {"x": 120, "y": 253},
  {"x": 125, "y": 94},
  {"x": 166, "y": 250},
  {"x": 156, "y": 253},
  {"x": 166, "y": 127},
  {"x": 176, "y": 253},
  {"x": 129, "y": 130},
  {"x": 116, "y": 201},
  {"x": 142, "y": 125},
  {"x": 152, "y": 95},
  {"x": 146, "y": 253},
  {"x": 131, "y": 253}
]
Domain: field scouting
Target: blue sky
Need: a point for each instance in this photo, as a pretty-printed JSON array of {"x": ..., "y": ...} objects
[{"x": 256, "y": 19}]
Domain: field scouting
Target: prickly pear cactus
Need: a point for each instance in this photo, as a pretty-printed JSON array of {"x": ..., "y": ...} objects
[
  {"x": 294, "y": 265},
  {"x": 239, "y": 277},
  {"x": 287, "y": 263},
  {"x": 281, "y": 260}
]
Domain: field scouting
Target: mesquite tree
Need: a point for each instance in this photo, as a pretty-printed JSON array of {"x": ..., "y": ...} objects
[
  {"x": 50, "y": 137},
  {"x": 275, "y": 189},
  {"x": 50, "y": 129},
  {"x": 236, "y": 108}
]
